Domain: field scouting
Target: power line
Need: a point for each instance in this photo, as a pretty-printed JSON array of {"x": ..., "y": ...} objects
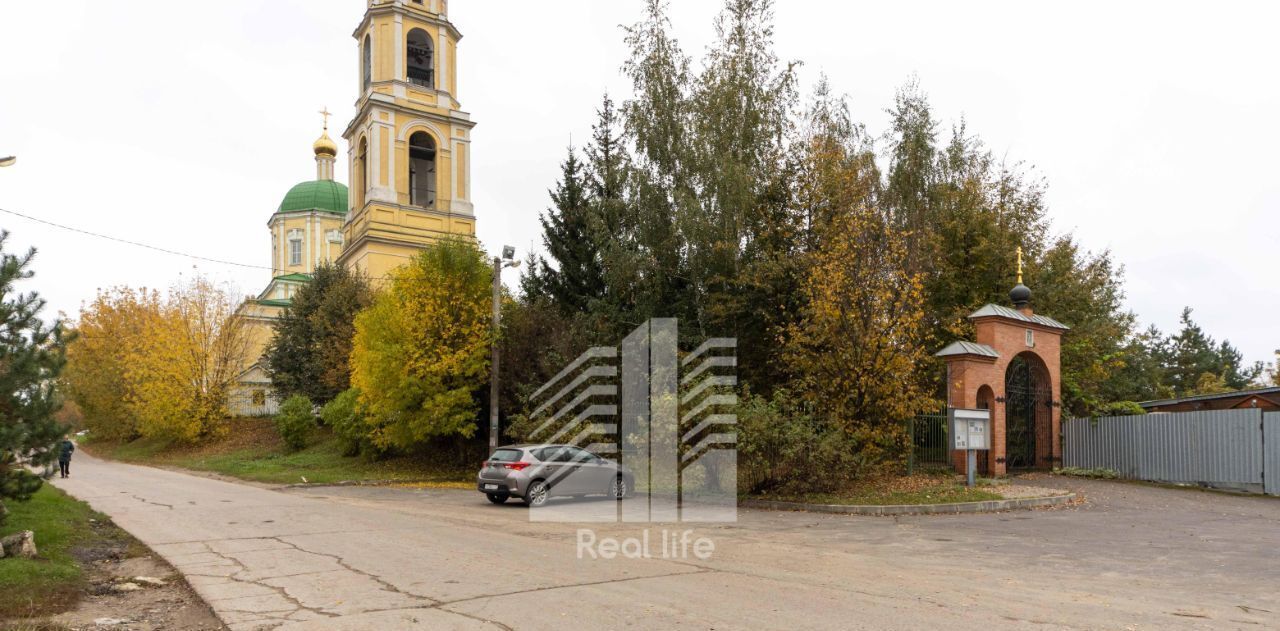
[
  {"x": 166, "y": 250},
  {"x": 133, "y": 243}
]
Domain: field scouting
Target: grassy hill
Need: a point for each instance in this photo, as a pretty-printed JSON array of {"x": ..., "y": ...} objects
[{"x": 253, "y": 451}]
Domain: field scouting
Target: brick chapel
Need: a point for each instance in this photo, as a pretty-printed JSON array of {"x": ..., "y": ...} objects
[{"x": 1012, "y": 368}]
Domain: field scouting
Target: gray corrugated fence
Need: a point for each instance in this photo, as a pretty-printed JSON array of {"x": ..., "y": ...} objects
[
  {"x": 1271, "y": 451},
  {"x": 1219, "y": 448}
]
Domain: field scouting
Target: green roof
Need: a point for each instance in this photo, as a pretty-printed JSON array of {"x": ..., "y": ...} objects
[
  {"x": 325, "y": 195},
  {"x": 300, "y": 278}
]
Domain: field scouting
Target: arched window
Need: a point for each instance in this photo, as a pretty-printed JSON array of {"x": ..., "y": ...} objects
[
  {"x": 421, "y": 54},
  {"x": 366, "y": 53},
  {"x": 422, "y": 170},
  {"x": 361, "y": 173}
]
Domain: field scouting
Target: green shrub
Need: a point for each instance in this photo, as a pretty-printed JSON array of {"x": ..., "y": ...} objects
[
  {"x": 1120, "y": 408},
  {"x": 785, "y": 447},
  {"x": 344, "y": 416},
  {"x": 295, "y": 421}
]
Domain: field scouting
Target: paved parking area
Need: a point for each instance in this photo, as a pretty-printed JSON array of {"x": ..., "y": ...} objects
[{"x": 1132, "y": 557}]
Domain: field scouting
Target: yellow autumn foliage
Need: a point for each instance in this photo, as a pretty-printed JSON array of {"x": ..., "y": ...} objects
[
  {"x": 421, "y": 350},
  {"x": 146, "y": 366},
  {"x": 109, "y": 334},
  {"x": 858, "y": 347}
]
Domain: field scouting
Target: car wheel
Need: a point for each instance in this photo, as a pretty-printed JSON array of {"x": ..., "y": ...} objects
[
  {"x": 619, "y": 489},
  {"x": 497, "y": 498},
  {"x": 537, "y": 494}
]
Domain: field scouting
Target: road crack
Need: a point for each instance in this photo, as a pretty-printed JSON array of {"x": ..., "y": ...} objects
[
  {"x": 280, "y": 591},
  {"x": 147, "y": 501},
  {"x": 386, "y": 585}
]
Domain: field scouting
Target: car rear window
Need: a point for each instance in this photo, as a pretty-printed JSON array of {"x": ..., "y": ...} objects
[{"x": 507, "y": 455}]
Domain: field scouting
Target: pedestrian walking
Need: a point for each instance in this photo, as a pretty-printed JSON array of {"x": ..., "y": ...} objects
[{"x": 64, "y": 456}]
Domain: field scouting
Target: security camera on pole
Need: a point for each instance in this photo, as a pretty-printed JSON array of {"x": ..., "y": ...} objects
[{"x": 506, "y": 260}]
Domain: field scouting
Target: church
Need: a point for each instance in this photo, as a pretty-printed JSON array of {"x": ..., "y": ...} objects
[{"x": 408, "y": 161}]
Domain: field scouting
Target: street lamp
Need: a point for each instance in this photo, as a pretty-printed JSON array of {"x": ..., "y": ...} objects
[
  {"x": 506, "y": 260},
  {"x": 8, "y": 162}
]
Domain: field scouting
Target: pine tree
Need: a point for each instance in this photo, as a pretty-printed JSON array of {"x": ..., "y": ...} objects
[
  {"x": 1235, "y": 375},
  {"x": 32, "y": 355},
  {"x": 1141, "y": 375},
  {"x": 1192, "y": 353}
]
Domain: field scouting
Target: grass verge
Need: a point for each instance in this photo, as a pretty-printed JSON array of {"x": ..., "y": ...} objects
[
  {"x": 1098, "y": 473},
  {"x": 68, "y": 533},
  {"x": 254, "y": 451},
  {"x": 895, "y": 491}
]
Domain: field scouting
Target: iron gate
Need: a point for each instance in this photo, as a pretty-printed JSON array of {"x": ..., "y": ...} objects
[{"x": 1026, "y": 395}]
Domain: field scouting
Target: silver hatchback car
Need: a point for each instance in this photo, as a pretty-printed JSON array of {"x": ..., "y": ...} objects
[{"x": 535, "y": 473}]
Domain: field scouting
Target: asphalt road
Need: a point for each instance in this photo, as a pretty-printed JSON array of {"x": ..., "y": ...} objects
[{"x": 1133, "y": 557}]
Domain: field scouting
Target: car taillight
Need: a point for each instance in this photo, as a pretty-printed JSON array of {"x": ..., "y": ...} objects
[
  {"x": 484, "y": 465},
  {"x": 517, "y": 466}
]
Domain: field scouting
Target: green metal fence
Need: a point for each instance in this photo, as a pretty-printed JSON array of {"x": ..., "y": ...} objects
[{"x": 930, "y": 445}]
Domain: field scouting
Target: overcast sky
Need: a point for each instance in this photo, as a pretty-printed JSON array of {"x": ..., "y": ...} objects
[{"x": 183, "y": 124}]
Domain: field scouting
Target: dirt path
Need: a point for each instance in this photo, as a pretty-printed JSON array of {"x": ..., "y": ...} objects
[
  {"x": 113, "y": 603},
  {"x": 129, "y": 588}
]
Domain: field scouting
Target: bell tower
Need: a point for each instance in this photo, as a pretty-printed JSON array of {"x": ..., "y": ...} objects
[{"x": 409, "y": 155}]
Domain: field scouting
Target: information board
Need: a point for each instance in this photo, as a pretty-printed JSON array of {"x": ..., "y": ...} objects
[{"x": 970, "y": 429}]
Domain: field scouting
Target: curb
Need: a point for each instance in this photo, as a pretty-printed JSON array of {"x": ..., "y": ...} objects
[
  {"x": 371, "y": 483},
  {"x": 987, "y": 506}
]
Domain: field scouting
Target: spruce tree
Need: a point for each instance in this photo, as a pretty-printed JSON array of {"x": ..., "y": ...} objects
[
  {"x": 607, "y": 159},
  {"x": 32, "y": 355},
  {"x": 576, "y": 278}
]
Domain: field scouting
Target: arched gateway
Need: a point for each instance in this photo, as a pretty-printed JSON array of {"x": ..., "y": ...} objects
[{"x": 1014, "y": 369}]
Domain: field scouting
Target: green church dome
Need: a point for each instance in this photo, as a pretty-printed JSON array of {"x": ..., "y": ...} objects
[{"x": 325, "y": 195}]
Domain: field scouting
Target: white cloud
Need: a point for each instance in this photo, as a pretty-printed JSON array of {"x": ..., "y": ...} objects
[{"x": 183, "y": 125}]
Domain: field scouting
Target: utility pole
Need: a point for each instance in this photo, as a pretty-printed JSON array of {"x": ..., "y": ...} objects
[{"x": 506, "y": 260}]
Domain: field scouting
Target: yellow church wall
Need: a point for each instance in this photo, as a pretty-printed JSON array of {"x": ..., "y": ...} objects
[
  {"x": 259, "y": 319},
  {"x": 259, "y": 337},
  {"x": 316, "y": 247},
  {"x": 453, "y": 75},
  {"x": 385, "y": 50},
  {"x": 462, "y": 172},
  {"x": 410, "y": 125},
  {"x": 384, "y": 153},
  {"x": 384, "y": 230},
  {"x": 390, "y": 37}
]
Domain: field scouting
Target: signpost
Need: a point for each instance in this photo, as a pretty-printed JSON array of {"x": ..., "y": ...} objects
[{"x": 970, "y": 431}]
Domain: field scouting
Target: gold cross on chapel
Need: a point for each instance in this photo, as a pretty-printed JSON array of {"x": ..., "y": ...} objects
[
  {"x": 1019, "y": 265},
  {"x": 325, "y": 113}
]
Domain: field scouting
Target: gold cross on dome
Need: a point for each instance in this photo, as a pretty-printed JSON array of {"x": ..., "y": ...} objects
[
  {"x": 1019, "y": 265},
  {"x": 325, "y": 113}
]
